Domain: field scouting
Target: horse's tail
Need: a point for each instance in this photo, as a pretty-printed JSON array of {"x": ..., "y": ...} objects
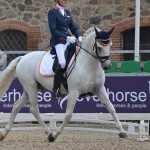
[{"x": 7, "y": 76}]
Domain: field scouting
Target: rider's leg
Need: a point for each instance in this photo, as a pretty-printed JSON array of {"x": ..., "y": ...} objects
[
  {"x": 60, "y": 50},
  {"x": 57, "y": 81}
]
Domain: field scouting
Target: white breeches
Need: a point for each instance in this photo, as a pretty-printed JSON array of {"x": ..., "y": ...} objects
[{"x": 60, "y": 50}]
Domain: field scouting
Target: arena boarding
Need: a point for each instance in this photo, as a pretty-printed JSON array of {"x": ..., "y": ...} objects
[{"x": 141, "y": 130}]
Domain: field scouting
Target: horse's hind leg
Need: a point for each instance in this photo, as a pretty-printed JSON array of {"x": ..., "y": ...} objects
[
  {"x": 16, "y": 108},
  {"x": 72, "y": 97},
  {"x": 102, "y": 95},
  {"x": 34, "y": 109}
]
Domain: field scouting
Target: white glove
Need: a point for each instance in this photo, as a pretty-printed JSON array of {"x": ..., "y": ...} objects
[
  {"x": 71, "y": 39},
  {"x": 80, "y": 38}
]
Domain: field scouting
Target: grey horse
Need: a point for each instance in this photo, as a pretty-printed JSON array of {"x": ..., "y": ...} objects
[{"x": 87, "y": 76}]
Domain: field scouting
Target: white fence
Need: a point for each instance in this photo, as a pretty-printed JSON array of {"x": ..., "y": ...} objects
[{"x": 141, "y": 130}]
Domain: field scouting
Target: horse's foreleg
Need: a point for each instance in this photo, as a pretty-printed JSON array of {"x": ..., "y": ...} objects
[
  {"x": 72, "y": 97},
  {"x": 16, "y": 108},
  {"x": 35, "y": 110},
  {"x": 102, "y": 95}
]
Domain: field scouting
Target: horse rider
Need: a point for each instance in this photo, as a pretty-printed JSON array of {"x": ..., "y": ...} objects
[
  {"x": 60, "y": 20},
  {"x": 3, "y": 60}
]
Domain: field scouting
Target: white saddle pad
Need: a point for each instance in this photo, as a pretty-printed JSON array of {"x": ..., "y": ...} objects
[{"x": 46, "y": 64}]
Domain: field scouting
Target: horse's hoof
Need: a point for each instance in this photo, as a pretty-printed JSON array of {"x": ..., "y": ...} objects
[
  {"x": 1, "y": 137},
  {"x": 123, "y": 135},
  {"x": 51, "y": 138}
]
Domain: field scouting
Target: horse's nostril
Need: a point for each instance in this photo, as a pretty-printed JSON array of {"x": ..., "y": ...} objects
[{"x": 105, "y": 68}]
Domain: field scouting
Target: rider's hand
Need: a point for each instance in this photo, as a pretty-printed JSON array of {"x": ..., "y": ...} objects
[
  {"x": 71, "y": 39},
  {"x": 80, "y": 38}
]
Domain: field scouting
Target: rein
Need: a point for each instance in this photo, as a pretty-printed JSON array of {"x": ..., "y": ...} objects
[{"x": 86, "y": 51}]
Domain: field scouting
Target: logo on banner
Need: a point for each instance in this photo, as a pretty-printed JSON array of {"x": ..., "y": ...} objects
[{"x": 61, "y": 101}]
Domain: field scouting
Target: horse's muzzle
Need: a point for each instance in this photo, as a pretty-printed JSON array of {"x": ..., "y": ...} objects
[{"x": 107, "y": 67}]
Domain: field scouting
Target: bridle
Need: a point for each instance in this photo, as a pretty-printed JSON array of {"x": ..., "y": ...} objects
[
  {"x": 102, "y": 39},
  {"x": 102, "y": 59}
]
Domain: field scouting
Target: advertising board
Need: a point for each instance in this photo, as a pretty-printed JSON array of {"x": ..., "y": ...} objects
[{"x": 128, "y": 95}]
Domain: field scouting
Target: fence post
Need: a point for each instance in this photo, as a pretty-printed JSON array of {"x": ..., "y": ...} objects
[{"x": 143, "y": 134}]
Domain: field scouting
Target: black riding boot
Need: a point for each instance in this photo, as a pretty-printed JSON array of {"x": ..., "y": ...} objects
[
  {"x": 64, "y": 83},
  {"x": 57, "y": 82}
]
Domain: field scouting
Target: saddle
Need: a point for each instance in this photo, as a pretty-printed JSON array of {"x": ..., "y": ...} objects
[{"x": 70, "y": 51}]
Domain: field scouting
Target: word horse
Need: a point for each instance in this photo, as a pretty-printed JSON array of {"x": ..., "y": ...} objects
[{"x": 87, "y": 76}]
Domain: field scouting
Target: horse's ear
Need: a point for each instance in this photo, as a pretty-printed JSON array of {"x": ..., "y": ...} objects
[
  {"x": 96, "y": 31},
  {"x": 110, "y": 31}
]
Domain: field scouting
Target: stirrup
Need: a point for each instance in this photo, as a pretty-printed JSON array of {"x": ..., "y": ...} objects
[{"x": 57, "y": 93}]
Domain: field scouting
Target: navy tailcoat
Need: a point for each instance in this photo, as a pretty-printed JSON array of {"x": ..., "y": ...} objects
[{"x": 59, "y": 25}]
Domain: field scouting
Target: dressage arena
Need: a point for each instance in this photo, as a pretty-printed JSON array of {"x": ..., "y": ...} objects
[{"x": 69, "y": 140}]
